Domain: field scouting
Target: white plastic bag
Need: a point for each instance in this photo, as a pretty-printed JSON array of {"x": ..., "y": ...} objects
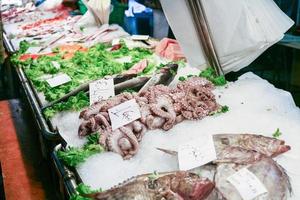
[
  {"x": 240, "y": 29},
  {"x": 180, "y": 20},
  {"x": 97, "y": 13},
  {"x": 134, "y": 7}
]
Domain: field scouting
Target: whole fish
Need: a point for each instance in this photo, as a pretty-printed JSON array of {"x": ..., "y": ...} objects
[
  {"x": 163, "y": 76},
  {"x": 168, "y": 186},
  {"x": 268, "y": 146},
  {"x": 243, "y": 148},
  {"x": 270, "y": 174}
]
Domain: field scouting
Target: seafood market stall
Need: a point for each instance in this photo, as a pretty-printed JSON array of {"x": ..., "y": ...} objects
[
  {"x": 135, "y": 111},
  {"x": 43, "y": 45},
  {"x": 32, "y": 32}
]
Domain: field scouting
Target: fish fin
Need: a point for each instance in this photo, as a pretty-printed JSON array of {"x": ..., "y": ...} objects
[
  {"x": 287, "y": 177},
  {"x": 167, "y": 151}
]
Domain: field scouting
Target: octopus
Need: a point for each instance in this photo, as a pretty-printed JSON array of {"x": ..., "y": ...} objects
[
  {"x": 165, "y": 111},
  {"x": 161, "y": 107},
  {"x": 138, "y": 129},
  {"x": 155, "y": 91},
  {"x": 197, "y": 103},
  {"x": 195, "y": 81},
  {"x": 123, "y": 141},
  {"x": 104, "y": 105}
]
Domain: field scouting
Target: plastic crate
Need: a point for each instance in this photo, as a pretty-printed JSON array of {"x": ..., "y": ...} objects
[
  {"x": 140, "y": 24},
  {"x": 82, "y": 7},
  {"x": 118, "y": 13}
]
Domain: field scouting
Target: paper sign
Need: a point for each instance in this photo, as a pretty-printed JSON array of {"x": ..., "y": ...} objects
[
  {"x": 248, "y": 185},
  {"x": 196, "y": 153},
  {"x": 33, "y": 50},
  {"x": 59, "y": 80},
  {"x": 101, "y": 90},
  {"x": 140, "y": 37},
  {"x": 124, "y": 113}
]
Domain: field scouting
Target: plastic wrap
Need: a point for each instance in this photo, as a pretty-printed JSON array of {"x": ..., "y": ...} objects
[
  {"x": 241, "y": 29},
  {"x": 97, "y": 13}
]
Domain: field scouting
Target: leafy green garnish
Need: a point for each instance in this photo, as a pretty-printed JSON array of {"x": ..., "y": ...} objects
[
  {"x": 76, "y": 155},
  {"x": 24, "y": 45},
  {"x": 78, "y": 197},
  {"x": 153, "y": 176},
  {"x": 82, "y": 190},
  {"x": 224, "y": 109},
  {"x": 75, "y": 103},
  {"x": 219, "y": 81},
  {"x": 277, "y": 133},
  {"x": 149, "y": 69},
  {"x": 85, "y": 189},
  {"x": 81, "y": 28},
  {"x": 94, "y": 64},
  {"x": 210, "y": 75},
  {"x": 182, "y": 78},
  {"x": 92, "y": 139},
  {"x": 55, "y": 50}
]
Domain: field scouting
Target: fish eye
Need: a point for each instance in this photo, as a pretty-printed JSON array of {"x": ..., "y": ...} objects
[{"x": 225, "y": 141}]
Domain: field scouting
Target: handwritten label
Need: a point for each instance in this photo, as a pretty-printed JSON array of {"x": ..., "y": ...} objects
[
  {"x": 124, "y": 113},
  {"x": 248, "y": 185},
  {"x": 140, "y": 37},
  {"x": 101, "y": 90},
  {"x": 33, "y": 50},
  {"x": 58, "y": 80},
  {"x": 196, "y": 153}
]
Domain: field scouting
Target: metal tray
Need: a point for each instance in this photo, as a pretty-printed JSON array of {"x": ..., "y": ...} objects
[
  {"x": 49, "y": 137},
  {"x": 67, "y": 178}
]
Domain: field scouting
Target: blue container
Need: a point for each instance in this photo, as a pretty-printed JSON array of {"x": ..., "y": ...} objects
[
  {"x": 140, "y": 24},
  {"x": 39, "y": 2}
]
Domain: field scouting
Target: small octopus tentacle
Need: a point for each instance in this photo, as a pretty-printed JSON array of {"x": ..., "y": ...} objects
[
  {"x": 125, "y": 96},
  {"x": 103, "y": 137},
  {"x": 84, "y": 129},
  {"x": 92, "y": 110},
  {"x": 153, "y": 122},
  {"x": 102, "y": 121},
  {"x": 138, "y": 128},
  {"x": 123, "y": 142},
  {"x": 179, "y": 118},
  {"x": 94, "y": 125},
  {"x": 164, "y": 108},
  {"x": 145, "y": 112}
]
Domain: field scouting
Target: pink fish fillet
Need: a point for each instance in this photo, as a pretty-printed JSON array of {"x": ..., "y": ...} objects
[
  {"x": 170, "y": 49},
  {"x": 138, "y": 67}
]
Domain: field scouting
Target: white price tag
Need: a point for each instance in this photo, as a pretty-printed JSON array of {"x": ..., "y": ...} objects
[
  {"x": 101, "y": 90},
  {"x": 140, "y": 37},
  {"x": 59, "y": 80},
  {"x": 124, "y": 113},
  {"x": 33, "y": 50},
  {"x": 55, "y": 64},
  {"x": 248, "y": 185},
  {"x": 196, "y": 153}
]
